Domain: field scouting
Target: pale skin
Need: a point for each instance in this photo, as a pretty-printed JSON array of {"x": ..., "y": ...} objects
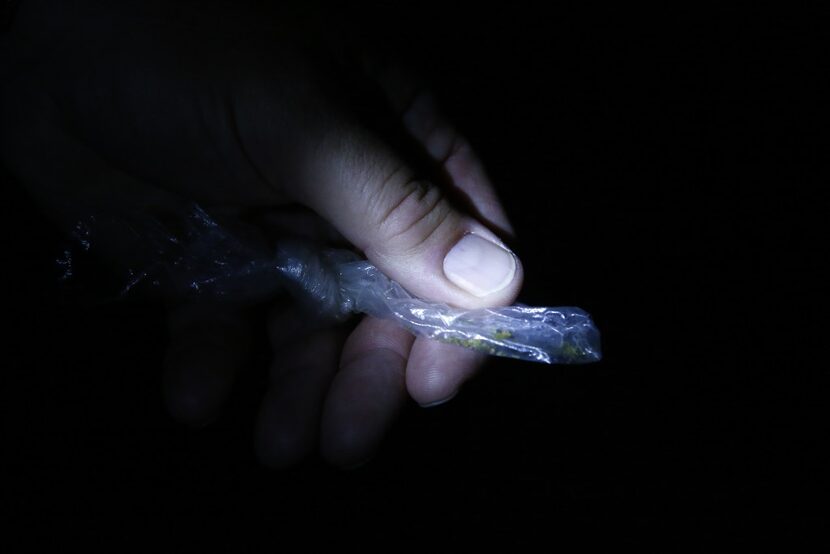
[{"x": 134, "y": 104}]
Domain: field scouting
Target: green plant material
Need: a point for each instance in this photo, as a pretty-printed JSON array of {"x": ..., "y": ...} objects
[
  {"x": 568, "y": 353},
  {"x": 479, "y": 345},
  {"x": 483, "y": 345},
  {"x": 571, "y": 352}
]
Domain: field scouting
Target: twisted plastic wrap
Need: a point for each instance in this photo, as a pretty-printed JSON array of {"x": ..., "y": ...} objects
[
  {"x": 203, "y": 257},
  {"x": 342, "y": 284}
]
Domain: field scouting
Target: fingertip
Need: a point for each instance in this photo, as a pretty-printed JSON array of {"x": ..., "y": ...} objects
[
  {"x": 462, "y": 264},
  {"x": 437, "y": 371},
  {"x": 366, "y": 394},
  {"x": 431, "y": 386},
  {"x": 289, "y": 417},
  {"x": 483, "y": 267},
  {"x": 440, "y": 401},
  {"x": 363, "y": 403}
]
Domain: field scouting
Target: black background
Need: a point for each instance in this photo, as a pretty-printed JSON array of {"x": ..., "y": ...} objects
[{"x": 660, "y": 171}]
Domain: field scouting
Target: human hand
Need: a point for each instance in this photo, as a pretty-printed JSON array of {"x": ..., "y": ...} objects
[{"x": 145, "y": 104}]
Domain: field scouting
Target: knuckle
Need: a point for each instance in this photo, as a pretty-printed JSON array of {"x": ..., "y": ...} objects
[
  {"x": 444, "y": 144},
  {"x": 458, "y": 146},
  {"x": 415, "y": 214},
  {"x": 424, "y": 121}
]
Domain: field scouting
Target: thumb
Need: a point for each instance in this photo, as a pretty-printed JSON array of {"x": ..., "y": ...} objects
[{"x": 407, "y": 227}]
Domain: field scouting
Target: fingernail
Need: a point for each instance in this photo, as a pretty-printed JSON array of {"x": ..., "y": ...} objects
[
  {"x": 479, "y": 266},
  {"x": 442, "y": 401}
]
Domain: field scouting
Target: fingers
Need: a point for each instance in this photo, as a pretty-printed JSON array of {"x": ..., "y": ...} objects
[
  {"x": 407, "y": 227},
  {"x": 408, "y": 96},
  {"x": 289, "y": 418},
  {"x": 208, "y": 346},
  {"x": 443, "y": 143},
  {"x": 366, "y": 394},
  {"x": 436, "y": 371}
]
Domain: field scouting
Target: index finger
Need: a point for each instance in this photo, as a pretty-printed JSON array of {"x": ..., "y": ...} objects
[{"x": 422, "y": 119}]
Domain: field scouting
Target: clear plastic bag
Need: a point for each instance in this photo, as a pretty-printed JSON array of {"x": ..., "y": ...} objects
[
  {"x": 342, "y": 284},
  {"x": 203, "y": 257}
]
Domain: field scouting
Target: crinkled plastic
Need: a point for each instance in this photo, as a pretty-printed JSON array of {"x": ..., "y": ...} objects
[
  {"x": 203, "y": 257},
  {"x": 341, "y": 284}
]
